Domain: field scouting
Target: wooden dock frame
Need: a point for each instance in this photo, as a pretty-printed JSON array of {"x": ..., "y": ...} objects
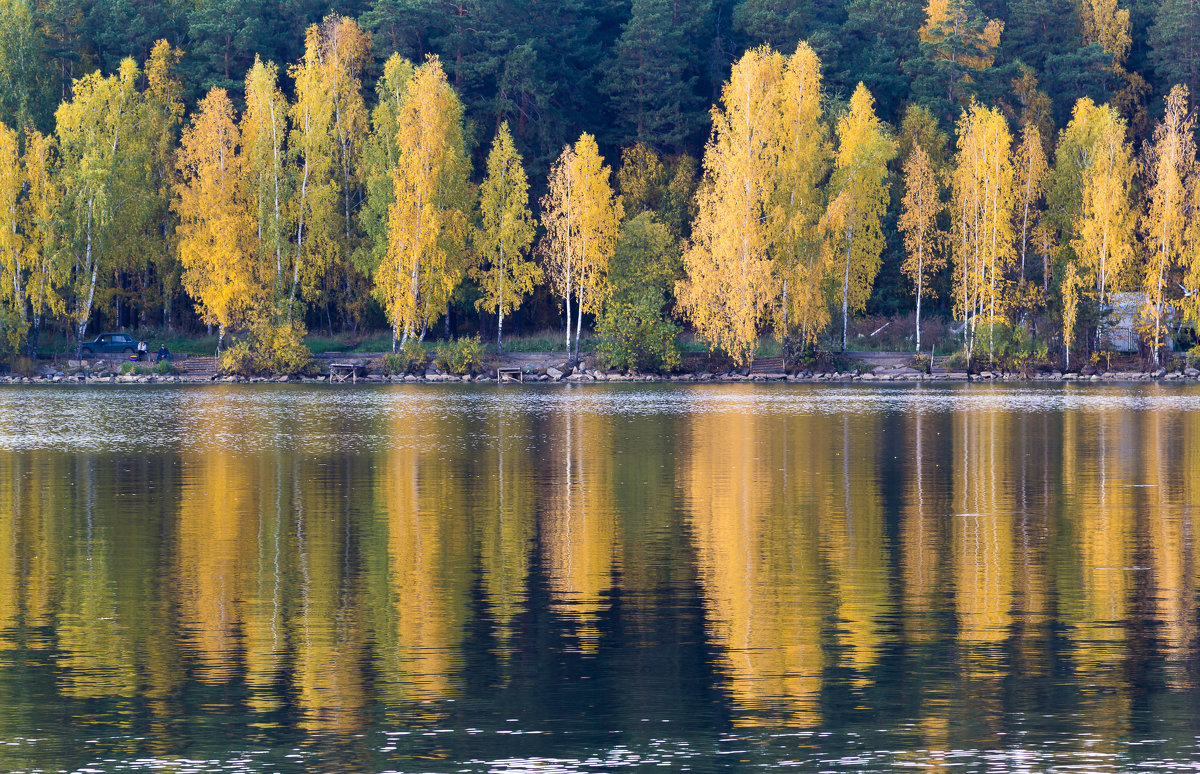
[
  {"x": 339, "y": 372},
  {"x": 510, "y": 374}
]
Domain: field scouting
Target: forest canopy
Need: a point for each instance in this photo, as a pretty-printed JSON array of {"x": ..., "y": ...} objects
[{"x": 272, "y": 164}]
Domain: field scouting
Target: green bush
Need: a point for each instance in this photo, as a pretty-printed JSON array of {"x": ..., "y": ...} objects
[
  {"x": 409, "y": 359},
  {"x": 958, "y": 360},
  {"x": 634, "y": 334},
  {"x": 1192, "y": 357},
  {"x": 163, "y": 367},
  {"x": 1016, "y": 348},
  {"x": 461, "y": 356},
  {"x": 922, "y": 363},
  {"x": 269, "y": 348}
]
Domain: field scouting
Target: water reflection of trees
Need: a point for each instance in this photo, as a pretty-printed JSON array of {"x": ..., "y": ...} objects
[{"x": 997, "y": 559}]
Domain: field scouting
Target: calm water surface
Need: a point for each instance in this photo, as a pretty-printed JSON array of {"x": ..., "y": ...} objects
[{"x": 562, "y": 579}]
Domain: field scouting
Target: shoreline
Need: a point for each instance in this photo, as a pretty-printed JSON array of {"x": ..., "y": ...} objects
[{"x": 593, "y": 376}]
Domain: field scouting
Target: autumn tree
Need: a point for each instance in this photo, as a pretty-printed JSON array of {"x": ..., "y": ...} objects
[
  {"x": 216, "y": 242},
  {"x": 803, "y": 158},
  {"x": 314, "y": 207},
  {"x": 1030, "y": 175},
  {"x": 504, "y": 274},
  {"x": 93, "y": 130},
  {"x": 857, "y": 202},
  {"x": 982, "y": 220},
  {"x": 1170, "y": 160},
  {"x": 45, "y": 270},
  {"x": 13, "y": 320},
  {"x": 1072, "y": 282},
  {"x": 957, "y": 42},
  {"x": 581, "y": 215},
  {"x": 427, "y": 217},
  {"x": 266, "y": 173},
  {"x": 1104, "y": 230},
  {"x": 380, "y": 156},
  {"x": 918, "y": 222},
  {"x": 729, "y": 283}
]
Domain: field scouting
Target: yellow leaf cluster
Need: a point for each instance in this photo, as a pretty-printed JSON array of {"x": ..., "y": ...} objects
[
  {"x": 1105, "y": 227},
  {"x": 425, "y": 227},
  {"x": 982, "y": 217},
  {"x": 216, "y": 246},
  {"x": 581, "y": 215},
  {"x": 758, "y": 206}
]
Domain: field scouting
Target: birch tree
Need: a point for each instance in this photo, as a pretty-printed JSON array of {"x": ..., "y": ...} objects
[
  {"x": 858, "y": 200},
  {"x": 505, "y": 275},
  {"x": 729, "y": 283},
  {"x": 92, "y": 129},
  {"x": 216, "y": 244},
  {"x": 982, "y": 220},
  {"x": 1031, "y": 174},
  {"x": 46, "y": 272},
  {"x": 13, "y": 316},
  {"x": 1170, "y": 160},
  {"x": 1105, "y": 221},
  {"x": 266, "y": 172},
  {"x": 581, "y": 216},
  {"x": 314, "y": 206},
  {"x": 427, "y": 219},
  {"x": 804, "y": 154},
  {"x": 918, "y": 222}
]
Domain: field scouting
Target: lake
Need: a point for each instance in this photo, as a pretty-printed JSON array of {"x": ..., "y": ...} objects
[{"x": 469, "y": 578}]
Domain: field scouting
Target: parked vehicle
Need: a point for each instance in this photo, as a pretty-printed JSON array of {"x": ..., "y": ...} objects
[{"x": 110, "y": 343}]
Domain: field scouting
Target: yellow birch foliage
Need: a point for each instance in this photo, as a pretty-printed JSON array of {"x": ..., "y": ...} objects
[
  {"x": 505, "y": 275},
  {"x": 982, "y": 217},
  {"x": 918, "y": 221},
  {"x": 345, "y": 49},
  {"x": 858, "y": 200},
  {"x": 581, "y": 216},
  {"x": 729, "y": 282},
  {"x": 1170, "y": 162},
  {"x": 804, "y": 153},
  {"x": 313, "y": 208},
  {"x": 426, "y": 220},
  {"x": 600, "y": 214},
  {"x": 1106, "y": 23},
  {"x": 265, "y": 170},
  {"x": 12, "y": 295},
  {"x": 216, "y": 245},
  {"x": 1071, "y": 284},
  {"x": 46, "y": 273},
  {"x": 1031, "y": 172},
  {"x": 1105, "y": 225}
]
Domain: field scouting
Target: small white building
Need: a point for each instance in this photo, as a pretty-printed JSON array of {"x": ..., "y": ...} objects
[{"x": 1123, "y": 321}]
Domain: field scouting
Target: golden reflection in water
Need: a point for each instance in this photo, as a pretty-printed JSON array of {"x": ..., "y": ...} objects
[
  {"x": 758, "y": 561},
  {"x": 1170, "y": 546},
  {"x": 850, "y": 524},
  {"x": 282, "y": 579},
  {"x": 422, "y": 498},
  {"x": 578, "y": 531},
  {"x": 506, "y": 524}
]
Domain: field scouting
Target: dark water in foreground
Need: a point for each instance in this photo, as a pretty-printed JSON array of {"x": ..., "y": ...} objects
[{"x": 599, "y": 578}]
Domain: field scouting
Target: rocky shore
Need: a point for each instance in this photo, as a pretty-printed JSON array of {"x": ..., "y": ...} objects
[{"x": 552, "y": 374}]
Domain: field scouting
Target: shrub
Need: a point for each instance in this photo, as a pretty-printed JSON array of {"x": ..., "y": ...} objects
[
  {"x": 922, "y": 363},
  {"x": 1192, "y": 357},
  {"x": 163, "y": 367},
  {"x": 269, "y": 348},
  {"x": 957, "y": 360},
  {"x": 410, "y": 358},
  {"x": 461, "y": 356},
  {"x": 634, "y": 334}
]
